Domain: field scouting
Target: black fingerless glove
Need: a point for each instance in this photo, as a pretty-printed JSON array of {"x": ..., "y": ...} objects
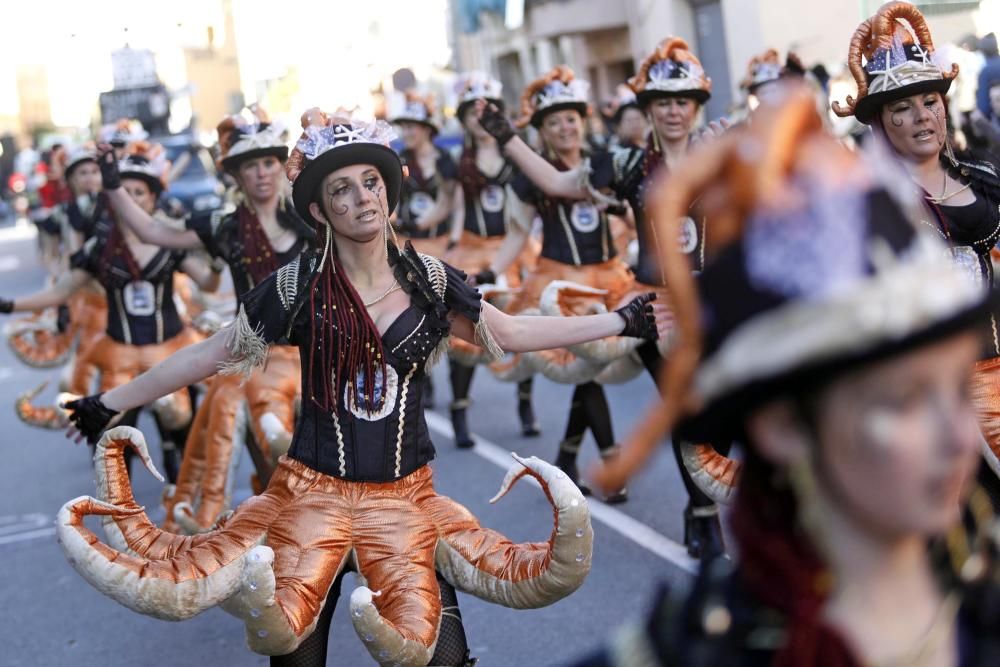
[
  {"x": 486, "y": 277},
  {"x": 496, "y": 124},
  {"x": 6, "y": 305},
  {"x": 111, "y": 179},
  {"x": 90, "y": 416},
  {"x": 640, "y": 322},
  {"x": 62, "y": 318}
]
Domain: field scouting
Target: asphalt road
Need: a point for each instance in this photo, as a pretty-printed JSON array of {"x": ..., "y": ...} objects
[{"x": 50, "y": 616}]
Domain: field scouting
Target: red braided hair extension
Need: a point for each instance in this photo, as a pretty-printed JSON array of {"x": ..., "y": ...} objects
[
  {"x": 115, "y": 246},
  {"x": 469, "y": 176},
  {"x": 258, "y": 253},
  {"x": 346, "y": 339},
  {"x": 781, "y": 569}
]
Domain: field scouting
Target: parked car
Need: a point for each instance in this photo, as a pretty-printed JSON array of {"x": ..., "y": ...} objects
[{"x": 197, "y": 190}]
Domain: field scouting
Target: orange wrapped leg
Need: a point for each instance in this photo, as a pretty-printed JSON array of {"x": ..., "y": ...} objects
[
  {"x": 986, "y": 399},
  {"x": 271, "y": 395}
]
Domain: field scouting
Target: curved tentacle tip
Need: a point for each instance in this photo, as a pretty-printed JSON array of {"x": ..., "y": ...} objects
[
  {"x": 88, "y": 505},
  {"x": 522, "y": 467},
  {"x": 137, "y": 441},
  {"x": 32, "y": 393},
  {"x": 360, "y": 598}
]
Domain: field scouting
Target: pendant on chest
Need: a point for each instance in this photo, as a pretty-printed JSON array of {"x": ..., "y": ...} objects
[
  {"x": 585, "y": 217},
  {"x": 140, "y": 298},
  {"x": 384, "y": 395},
  {"x": 491, "y": 198},
  {"x": 688, "y": 236}
]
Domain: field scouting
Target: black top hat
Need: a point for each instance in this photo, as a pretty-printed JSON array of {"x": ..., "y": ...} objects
[
  {"x": 892, "y": 57},
  {"x": 672, "y": 70},
  {"x": 330, "y": 143}
]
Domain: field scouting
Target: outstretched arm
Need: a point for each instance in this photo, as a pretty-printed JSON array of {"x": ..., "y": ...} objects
[
  {"x": 55, "y": 295},
  {"x": 457, "y": 216},
  {"x": 551, "y": 181},
  {"x": 204, "y": 276},
  {"x": 509, "y": 250},
  {"x": 146, "y": 227},
  {"x": 91, "y": 415},
  {"x": 181, "y": 369},
  {"x": 526, "y": 333}
]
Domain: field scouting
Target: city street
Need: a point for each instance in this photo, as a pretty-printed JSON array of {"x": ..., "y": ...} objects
[{"x": 50, "y": 616}]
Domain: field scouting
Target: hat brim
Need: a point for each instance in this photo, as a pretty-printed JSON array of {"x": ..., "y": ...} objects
[
  {"x": 68, "y": 171},
  {"x": 232, "y": 162},
  {"x": 154, "y": 183},
  {"x": 699, "y": 95},
  {"x": 426, "y": 123},
  {"x": 462, "y": 107},
  {"x": 869, "y": 105},
  {"x": 381, "y": 157},
  {"x": 722, "y": 419},
  {"x": 582, "y": 107}
]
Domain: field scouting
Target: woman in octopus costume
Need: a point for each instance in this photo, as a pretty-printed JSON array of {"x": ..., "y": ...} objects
[
  {"x": 901, "y": 88},
  {"x": 355, "y": 484},
  {"x": 428, "y": 190},
  {"x": 480, "y": 224},
  {"x": 863, "y": 539},
  {"x": 670, "y": 88},
  {"x": 426, "y": 200},
  {"x": 261, "y": 235},
  {"x": 48, "y": 341},
  {"x": 765, "y": 69},
  {"x": 901, "y": 94},
  {"x": 143, "y": 325},
  {"x": 578, "y": 269}
]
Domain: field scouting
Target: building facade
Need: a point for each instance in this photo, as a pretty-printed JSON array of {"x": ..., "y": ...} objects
[{"x": 604, "y": 41}]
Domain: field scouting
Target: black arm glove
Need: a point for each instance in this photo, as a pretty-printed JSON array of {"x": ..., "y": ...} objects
[
  {"x": 6, "y": 305},
  {"x": 90, "y": 416},
  {"x": 110, "y": 178},
  {"x": 496, "y": 124},
  {"x": 640, "y": 322}
]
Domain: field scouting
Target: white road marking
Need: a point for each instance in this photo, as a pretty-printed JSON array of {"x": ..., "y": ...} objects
[
  {"x": 30, "y": 535},
  {"x": 25, "y": 527},
  {"x": 616, "y": 520}
]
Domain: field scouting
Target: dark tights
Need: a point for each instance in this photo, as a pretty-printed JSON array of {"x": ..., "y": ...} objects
[
  {"x": 651, "y": 359},
  {"x": 461, "y": 383},
  {"x": 588, "y": 409},
  {"x": 451, "y": 649}
]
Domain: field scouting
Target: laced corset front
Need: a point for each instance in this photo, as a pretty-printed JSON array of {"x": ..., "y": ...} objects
[
  {"x": 486, "y": 202},
  {"x": 220, "y": 234},
  {"x": 389, "y": 439},
  {"x": 631, "y": 177},
  {"x": 574, "y": 232},
  {"x": 141, "y": 308}
]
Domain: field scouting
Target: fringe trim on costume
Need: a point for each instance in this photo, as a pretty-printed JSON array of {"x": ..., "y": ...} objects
[
  {"x": 435, "y": 356},
  {"x": 583, "y": 180},
  {"x": 485, "y": 338},
  {"x": 246, "y": 345}
]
